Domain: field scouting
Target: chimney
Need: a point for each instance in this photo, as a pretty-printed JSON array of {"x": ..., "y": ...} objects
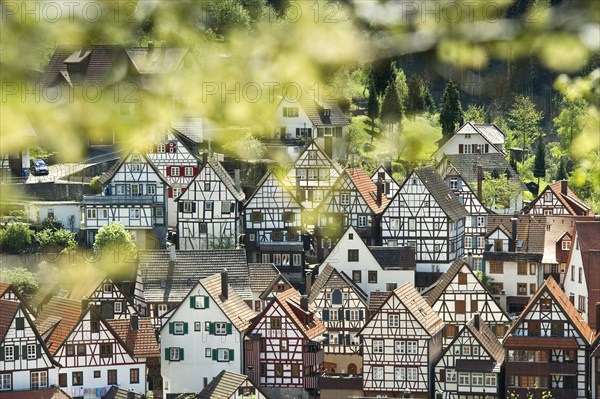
[
  {"x": 479, "y": 183},
  {"x": 204, "y": 157},
  {"x": 134, "y": 319},
  {"x": 238, "y": 180},
  {"x": 308, "y": 284},
  {"x": 387, "y": 165},
  {"x": 224, "y": 284},
  {"x": 476, "y": 321},
  {"x": 304, "y": 302},
  {"x": 595, "y": 324},
  {"x": 563, "y": 187},
  {"x": 379, "y": 190},
  {"x": 172, "y": 256},
  {"x": 513, "y": 239},
  {"x": 130, "y": 395}
]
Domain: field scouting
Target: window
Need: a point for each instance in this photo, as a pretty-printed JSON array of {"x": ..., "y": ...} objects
[
  {"x": 450, "y": 330},
  {"x": 290, "y": 112},
  {"x": 97, "y": 374},
  {"x": 62, "y": 379},
  {"x": 490, "y": 380},
  {"x": 412, "y": 347},
  {"x": 477, "y": 379},
  {"x": 532, "y": 288},
  {"x": 462, "y": 278},
  {"x": 464, "y": 379},
  {"x": 466, "y": 350},
  {"x": 357, "y": 276},
  {"x": 134, "y": 213},
  {"x": 412, "y": 224},
  {"x": 557, "y": 329},
  {"x": 39, "y": 379},
  {"x": 411, "y": 374},
  {"x": 134, "y": 376},
  {"x": 227, "y": 207},
  {"x": 372, "y": 276},
  {"x": 174, "y": 354},
  {"x": 394, "y": 224},
  {"x": 223, "y": 355},
  {"x": 77, "y": 378},
  {"x": 81, "y": 350},
  {"x": 197, "y": 326},
  {"x": 399, "y": 373},
  {"x": 480, "y": 221},
  {"x": 135, "y": 190},
  {"x": 176, "y": 192},
  {"x": 450, "y": 375},
  {"x": 393, "y": 320},
  {"x": 206, "y": 186},
  {"x": 496, "y": 267},
  {"x": 297, "y": 259},
  {"x": 461, "y": 307},
  {"x": 20, "y": 323},
  {"x": 377, "y": 346},
  {"x": 533, "y": 329},
  {"x": 378, "y": 373},
  {"x": 548, "y": 196},
  {"x": 521, "y": 289},
  {"x": 188, "y": 171},
  {"x": 118, "y": 307},
  {"x": 545, "y": 304},
  {"x": 278, "y": 370},
  {"x": 468, "y": 241},
  {"x": 111, "y": 377},
  {"x": 105, "y": 350},
  {"x": 362, "y": 221},
  {"x": 6, "y": 382},
  {"x": 91, "y": 214},
  {"x": 566, "y": 245},
  {"x": 522, "y": 268},
  {"x": 9, "y": 353},
  {"x": 295, "y": 370},
  {"x": 276, "y": 323},
  {"x": 178, "y": 328},
  {"x": 220, "y": 328},
  {"x": 532, "y": 269},
  {"x": 353, "y": 255},
  {"x": 345, "y": 199},
  {"x": 151, "y": 189},
  {"x": 208, "y": 206},
  {"x": 399, "y": 347},
  {"x": 160, "y": 147},
  {"x": 581, "y": 303},
  {"x": 453, "y": 183},
  {"x": 256, "y": 217}
]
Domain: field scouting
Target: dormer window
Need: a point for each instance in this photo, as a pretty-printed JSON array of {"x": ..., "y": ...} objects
[
  {"x": 566, "y": 245},
  {"x": 326, "y": 112}
]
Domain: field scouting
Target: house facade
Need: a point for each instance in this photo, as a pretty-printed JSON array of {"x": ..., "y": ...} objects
[
  {"x": 426, "y": 215},
  {"x": 472, "y": 138},
  {"x": 401, "y": 342},
  {"x": 558, "y": 199},
  {"x": 390, "y": 186},
  {"x": 230, "y": 385},
  {"x": 111, "y": 302}
]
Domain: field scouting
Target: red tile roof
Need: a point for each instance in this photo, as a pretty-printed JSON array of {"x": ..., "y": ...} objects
[
  {"x": 49, "y": 393},
  {"x": 290, "y": 302},
  {"x": 8, "y": 310},
  {"x": 367, "y": 189},
  {"x": 142, "y": 342},
  {"x": 57, "y": 320},
  {"x": 3, "y": 288},
  {"x": 574, "y": 205}
]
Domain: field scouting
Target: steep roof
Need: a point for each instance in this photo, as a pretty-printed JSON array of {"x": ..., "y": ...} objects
[
  {"x": 574, "y": 205},
  {"x": 108, "y": 176},
  {"x": 441, "y": 193},
  {"x": 160, "y": 60},
  {"x": 191, "y": 128},
  {"x": 438, "y": 288},
  {"x": 226, "y": 178},
  {"x": 330, "y": 277},
  {"x": 164, "y": 282},
  {"x": 233, "y": 306},
  {"x": 56, "y": 321},
  {"x": 391, "y": 258},
  {"x": 562, "y": 301},
  {"x": 223, "y": 386},
  {"x": 315, "y": 112},
  {"x": 120, "y": 393},
  {"x": 376, "y": 299},
  {"x": 46, "y": 393},
  {"x": 416, "y": 305},
  {"x": 8, "y": 310},
  {"x": 494, "y": 163},
  {"x": 490, "y": 132},
  {"x": 486, "y": 338},
  {"x": 261, "y": 276},
  {"x": 367, "y": 189},
  {"x": 530, "y": 231},
  {"x": 141, "y": 342}
]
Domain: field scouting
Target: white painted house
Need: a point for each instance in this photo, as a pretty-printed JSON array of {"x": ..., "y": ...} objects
[
  {"x": 66, "y": 212},
  {"x": 203, "y": 336},
  {"x": 372, "y": 268},
  {"x": 473, "y": 138}
]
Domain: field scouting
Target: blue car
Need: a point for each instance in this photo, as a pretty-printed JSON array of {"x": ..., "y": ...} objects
[{"x": 38, "y": 167}]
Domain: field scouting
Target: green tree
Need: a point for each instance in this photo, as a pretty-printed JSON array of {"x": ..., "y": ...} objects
[
  {"x": 56, "y": 240},
  {"x": 523, "y": 122},
  {"x": 399, "y": 78},
  {"x": 95, "y": 185},
  {"x": 562, "y": 173},
  {"x": 498, "y": 193},
  {"x": 21, "y": 279},
  {"x": 383, "y": 71},
  {"x": 486, "y": 281},
  {"x": 51, "y": 223},
  {"x": 476, "y": 113},
  {"x": 569, "y": 123},
  {"x": 451, "y": 114},
  {"x": 428, "y": 99},
  {"x": 372, "y": 108},
  {"x": 539, "y": 166},
  {"x": 391, "y": 108},
  {"x": 114, "y": 238},
  {"x": 415, "y": 102},
  {"x": 247, "y": 147},
  {"x": 16, "y": 237}
]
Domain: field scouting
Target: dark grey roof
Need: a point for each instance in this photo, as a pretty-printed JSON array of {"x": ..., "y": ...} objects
[
  {"x": 284, "y": 245},
  {"x": 494, "y": 163},
  {"x": 160, "y": 60},
  {"x": 226, "y": 178},
  {"x": 120, "y": 393},
  {"x": 332, "y": 278},
  {"x": 394, "y": 257},
  {"x": 316, "y": 114},
  {"x": 425, "y": 279},
  {"x": 192, "y": 128},
  {"x": 441, "y": 193},
  {"x": 163, "y": 283}
]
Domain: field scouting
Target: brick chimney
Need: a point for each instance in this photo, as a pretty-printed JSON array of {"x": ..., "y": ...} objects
[
  {"x": 563, "y": 187},
  {"x": 308, "y": 284},
  {"x": 479, "y": 183},
  {"x": 513, "y": 240},
  {"x": 225, "y": 284},
  {"x": 304, "y": 302},
  {"x": 379, "y": 190},
  {"x": 477, "y": 321}
]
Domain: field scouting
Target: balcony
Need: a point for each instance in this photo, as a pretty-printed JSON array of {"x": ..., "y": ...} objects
[
  {"x": 118, "y": 200},
  {"x": 311, "y": 382},
  {"x": 341, "y": 381},
  {"x": 542, "y": 369},
  {"x": 537, "y": 393}
]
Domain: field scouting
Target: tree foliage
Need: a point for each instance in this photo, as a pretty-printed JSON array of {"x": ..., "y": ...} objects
[
  {"x": 451, "y": 114},
  {"x": 16, "y": 237},
  {"x": 21, "y": 279},
  {"x": 56, "y": 240},
  {"x": 95, "y": 185},
  {"x": 476, "y": 113},
  {"x": 113, "y": 237},
  {"x": 415, "y": 102},
  {"x": 247, "y": 147},
  {"x": 391, "y": 107},
  {"x": 372, "y": 107},
  {"x": 539, "y": 166},
  {"x": 51, "y": 223},
  {"x": 498, "y": 193},
  {"x": 569, "y": 123},
  {"x": 523, "y": 121}
]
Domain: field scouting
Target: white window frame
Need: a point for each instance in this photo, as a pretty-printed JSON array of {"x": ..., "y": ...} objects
[
  {"x": 344, "y": 199},
  {"x": 135, "y": 166},
  {"x": 208, "y": 206},
  {"x": 475, "y": 350},
  {"x": 175, "y": 171},
  {"x": 450, "y": 375},
  {"x": 162, "y": 309},
  {"x": 480, "y": 221},
  {"x": 42, "y": 378},
  {"x": 399, "y": 373},
  {"x": 297, "y": 259},
  {"x": 223, "y": 355},
  {"x": 5, "y": 382},
  {"x": 178, "y": 328},
  {"x": 453, "y": 183},
  {"x": 118, "y": 307},
  {"x": 151, "y": 189},
  {"x": 566, "y": 245},
  {"x": 393, "y": 320},
  {"x": 399, "y": 347},
  {"x": 491, "y": 380},
  {"x": 188, "y": 206},
  {"x": 466, "y": 350},
  {"x": 362, "y": 221},
  {"x": 412, "y": 374},
  {"x": 174, "y": 354},
  {"x": 354, "y": 314},
  {"x": 477, "y": 379},
  {"x": 121, "y": 189},
  {"x": 159, "y": 212},
  {"x": 188, "y": 171},
  {"x": 412, "y": 347},
  {"x": 377, "y": 373},
  {"x": 31, "y": 351},
  {"x": 464, "y": 379},
  {"x": 8, "y": 357},
  {"x": 377, "y": 346},
  {"x": 160, "y": 148},
  {"x": 104, "y": 213},
  {"x": 134, "y": 213},
  {"x": 394, "y": 224},
  {"x": 548, "y": 196},
  {"x": 91, "y": 213},
  {"x": 468, "y": 242},
  {"x": 220, "y": 328},
  {"x": 412, "y": 224}
]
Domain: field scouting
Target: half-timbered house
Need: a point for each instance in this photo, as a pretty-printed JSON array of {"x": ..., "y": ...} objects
[
  {"x": 472, "y": 138},
  {"x": 390, "y": 185},
  {"x": 372, "y": 268},
  {"x": 203, "y": 335},
  {"x": 208, "y": 212},
  {"x": 547, "y": 348},
  {"x": 273, "y": 227},
  {"x": 343, "y": 309},
  {"x": 265, "y": 282},
  {"x": 283, "y": 347},
  {"x": 111, "y": 302},
  {"x": 595, "y": 366},
  {"x": 514, "y": 250},
  {"x": 426, "y": 215},
  {"x": 458, "y": 295},
  {"x": 558, "y": 199},
  {"x": 230, "y": 385},
  {"x": 401, "y": 342},
  {"x": 471, "y": 365},
  {"x": 354, "y": 200},
  {"x": 25, "y": 362},
  {"x": 135, "y": 194},
  {"x": 581, "y": 281}
]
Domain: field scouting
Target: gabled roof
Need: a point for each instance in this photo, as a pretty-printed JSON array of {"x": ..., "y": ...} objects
[
  {"x": 569, "y": 200},
  {"x": 261, "y": 276},
  {"x": 485, "y": 336},
  {"x": 56, "y": 321},
  {"x": 562, "y": 301},
  {"x": 164, "y": 282},
  {"x": 160, "y": 60},
  {"x": 376, "y": 299},
  {"x": 331, "y": 278},
  {"x": 226, "y": 178},
  {"x": 141, "y": 342},
  {"x": 367, "y": 189},
  {"x": 8, "y": 310},
  {"x": 315, "y": 143},
  {"x": 440, "y": 192},
  {"x": 494, "y": 163},
  {"x": 46, "y": 393},
  {"x": 391, "y": 258},
  {"x": 120, "y": 393},
  {"x": 5, "y": 288},
  {"x": 108, "y": 176},
  {"x": 191, "y": 128},
  {"x": 490, "y": 132},
  {"x": 315, "y": 112},
  {"x": 233, "y": 306},
  {"x": 280, "y": 182},
  {"x": 530, "y": 231},
  {"x": 224, "y": 386}
]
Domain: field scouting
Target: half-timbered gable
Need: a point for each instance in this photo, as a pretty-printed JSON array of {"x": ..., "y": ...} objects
[
  {"x": 208, "y": 212},
  {"x": 558, "y": 199},
  {"x": 93, "y": 356},
  {"x": 390, "y": 185},
  {"x": 265, "y": 282},
  {"x": 9, "y": 293},
  {"x": 56, "y": 321},
  {"x": 25, "y": 362},
  {"x": 273, "y": 227},
  {"x": 312, "y": 175},
  {"x": 472, "y": 364},
  {"x": 354, "y": 200},
  {"x": 514, "y": 250},
  {"x": 135, "y": 194},
  {"x": 581, "y": 281},
  {"x": 426, "y": 215},
  {"x": 458, "y": 295},
  {"x": 204, "y": 335},
  {"x": 372, "y": 268},
  {"x": 547, "y": 347},
  {"x": 283, "y": 349},
  {"x": 400, "y": 342},
  {"x": 168, "y": 276},
  {"x": 343, "y": 309},
  {"x": 111, "y": 302},
  {"x": 230, "y": 385}
]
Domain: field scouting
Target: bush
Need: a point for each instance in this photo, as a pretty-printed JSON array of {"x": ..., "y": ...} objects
[
  {"x": 113, "y": 236},
  {"x": 51, "y": 223},
  {"x": 16, "y": 237},
  {"x": 58, "y": 240},
  {"x": 95, "y": 185},
  {"x": 21, "y": 279}
]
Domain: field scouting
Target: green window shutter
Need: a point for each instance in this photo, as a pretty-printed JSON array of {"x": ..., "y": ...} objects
[
  {"x": 171, "y": 328},
  {"x": 229, "y": 328},
  {"x": 16, "y": 350},
  {"x": 185, "y": 328},
  {"x": 215, "y": 354},
  {"x": 167, "y": 354},
  {"x": 206, "y": 303},
  {"x": 1, "y": 353},
  {"x": 38, "y": 351},
  {"x": 231, "y": 355},
  {"x": 24, "y": 352},
  {"x": 211, "y": 328},
  {"x": 180, "y": 353},
  {"x": 193, "y": 301}
]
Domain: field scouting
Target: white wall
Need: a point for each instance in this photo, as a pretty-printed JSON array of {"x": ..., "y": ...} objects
[{"x": 38, "y": 212}]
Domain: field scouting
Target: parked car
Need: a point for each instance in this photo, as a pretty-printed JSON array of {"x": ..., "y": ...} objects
[{"x": 38, "y": 167}]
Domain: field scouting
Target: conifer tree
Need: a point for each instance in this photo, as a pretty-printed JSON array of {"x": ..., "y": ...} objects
[
  {"x": 451, "y": 115},
  {"x": 391, "y": 107}
]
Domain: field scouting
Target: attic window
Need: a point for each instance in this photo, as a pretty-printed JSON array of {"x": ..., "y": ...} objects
[
  {"x": 566, "y": 245},
  {"x": 163, "y": 284},
  {"x": 519, "y": 243},
  {"x": 327, "y": 112}
]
